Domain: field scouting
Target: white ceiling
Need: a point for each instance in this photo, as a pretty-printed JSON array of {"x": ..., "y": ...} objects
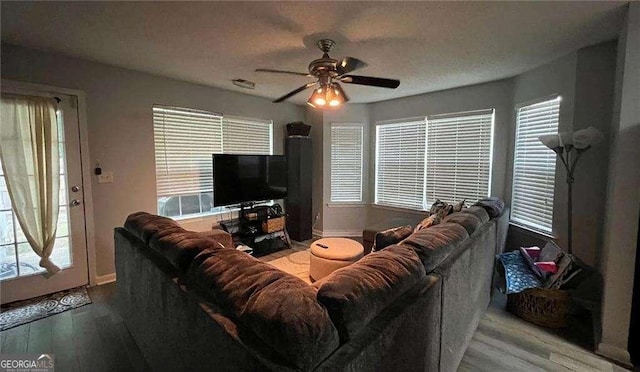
[{"x": 428, "y": 46}]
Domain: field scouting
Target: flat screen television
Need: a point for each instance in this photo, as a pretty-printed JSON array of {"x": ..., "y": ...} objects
[{"x": 248, "y": 178}]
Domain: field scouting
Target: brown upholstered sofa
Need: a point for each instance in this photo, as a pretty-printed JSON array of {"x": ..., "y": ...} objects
[{"x": 193, "y": 304}]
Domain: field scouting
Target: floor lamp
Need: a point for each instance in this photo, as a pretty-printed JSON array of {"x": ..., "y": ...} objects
[{"x": 569, "y": 148}]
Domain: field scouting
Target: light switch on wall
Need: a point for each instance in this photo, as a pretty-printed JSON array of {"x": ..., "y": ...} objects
[{"x": 105, "y": 177}]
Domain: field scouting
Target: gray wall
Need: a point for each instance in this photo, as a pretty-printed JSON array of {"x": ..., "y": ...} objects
[
  {"x": 623, "y": 196},
  {"x": 314, "y": 118},
  {"x": 497, "y": 95},
  {"x": 120, "y": 127},
  {"x": 594, "y": 92},
  {"x": 585, "y": 80}
]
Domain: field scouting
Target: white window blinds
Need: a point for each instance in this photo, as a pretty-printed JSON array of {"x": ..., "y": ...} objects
[
  {"x": 247, "y": 136},
  {"x": 459, "y": 156},
  {"x": 346, "y": 162},
  {"x": 534, "y": 166},
  {"x": 184, "y": 141},
  {"x": 400, "y": 164}
]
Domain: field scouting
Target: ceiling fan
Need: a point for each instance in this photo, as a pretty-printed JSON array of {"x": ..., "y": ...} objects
[{"x": 328, "y": 72}]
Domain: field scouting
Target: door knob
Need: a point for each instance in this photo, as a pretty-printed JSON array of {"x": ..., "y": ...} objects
[{"x": 75, "y": 202}]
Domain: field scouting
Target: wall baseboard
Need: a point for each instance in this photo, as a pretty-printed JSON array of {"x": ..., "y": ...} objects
[
  {"x": 337, "y": 233},
  {"x": 105, "y": 279},
  {"x": 614, "y": 352}
]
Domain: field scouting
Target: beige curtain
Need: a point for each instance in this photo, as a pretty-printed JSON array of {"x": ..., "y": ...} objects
[{"x": 31, "y": 160}]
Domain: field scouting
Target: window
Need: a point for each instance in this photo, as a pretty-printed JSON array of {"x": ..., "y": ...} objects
[
  {"x": 346, "y": 162},
  {"x": 400, "y": 164},
  {"x": 534, "y": 166},
  {"x": 185, "y": 140},
  {"x": 246, "y": 136},
  {"x": 459, "y": 156}
]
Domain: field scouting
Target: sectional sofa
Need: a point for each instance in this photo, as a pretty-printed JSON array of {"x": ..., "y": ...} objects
[{"x": 193, "y": 303}]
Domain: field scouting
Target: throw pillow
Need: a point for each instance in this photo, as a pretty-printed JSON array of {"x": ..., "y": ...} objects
[
  {"x": 458, "y": 207},
  {"x": 441, "y": 207},
  {"x": 389, "y": 237}
]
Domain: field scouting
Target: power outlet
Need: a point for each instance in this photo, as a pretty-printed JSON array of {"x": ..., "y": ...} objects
[{"x": 105, "y": 177}]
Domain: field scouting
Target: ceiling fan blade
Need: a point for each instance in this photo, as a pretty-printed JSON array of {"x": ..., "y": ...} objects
[
  {"x": 294, "y": 92},
  {"x": 349, "y": 64},
  {"x": 372, "y": 81},
  {"x": 281, "y": 72}
]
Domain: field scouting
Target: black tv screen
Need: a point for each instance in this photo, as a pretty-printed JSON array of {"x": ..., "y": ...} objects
[{"x": 246, "y": 178}]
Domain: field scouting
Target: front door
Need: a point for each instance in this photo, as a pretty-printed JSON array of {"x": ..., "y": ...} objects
[{"x": 20, "y": 275}]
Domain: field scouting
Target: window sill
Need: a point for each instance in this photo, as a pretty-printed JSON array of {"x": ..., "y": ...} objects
[
  {"x": 399, "y": 209},
  {"x": 532, "y": 232},
  {"x": 203, "y": 216},
  {"x": 346, "y": 205}
]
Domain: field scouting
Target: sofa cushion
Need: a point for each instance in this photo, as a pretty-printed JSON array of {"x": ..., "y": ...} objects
[
  {"x": 279, "y": 308},
  {"x": 144, "y": 225},
  {"x": 433, "y": 245},
  {"x": 477, "y": 211},
  {"x": 180, "y": 247},
  {"x": 221, "y": 236},
  {"x": 369, "y": 232},
  {"x": 388, "y": 237},
  {"x": 356, "y": 294},
  {"x": 493, "y": 205},
  {"x": 469, "y": 221}
]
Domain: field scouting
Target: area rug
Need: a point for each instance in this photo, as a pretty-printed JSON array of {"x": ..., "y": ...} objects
[
  {"x": 296, "y": 264},
  {"x": 22, "y": 312},
  {"x": 294, "y": 260}
]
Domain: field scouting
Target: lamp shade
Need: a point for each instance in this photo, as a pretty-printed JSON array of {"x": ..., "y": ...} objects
[
  {"x": 552, "y": 141},
  {"x": 566, "y": 139},
  {"x": 318, "y": 97},
  {"x": 584, "y": 138}
]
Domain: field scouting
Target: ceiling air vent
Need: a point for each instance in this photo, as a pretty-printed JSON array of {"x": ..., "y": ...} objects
[{"x": 242, "y": 83}]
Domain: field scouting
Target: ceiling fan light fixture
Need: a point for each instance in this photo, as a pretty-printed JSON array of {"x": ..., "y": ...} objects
[
  {"x": 338, "y": 97},
  {"x": 310, "y": 103},
  {"x": 318, "y": 97},
  {"x": 327, "y": 96}
]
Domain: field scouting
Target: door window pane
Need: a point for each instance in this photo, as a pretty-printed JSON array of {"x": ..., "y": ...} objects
[
  {"x": 63, "y": 190},
  {"x": 63, "y": 223},
  {"x": 61, "y": 252},
  {"x": 20, "y": 237},
  {"x": 5, "y": 201},
  {"x": 8, "y": 267},
  {"x": 29, "y": 260},
  {"x": 6, "y": 228}
]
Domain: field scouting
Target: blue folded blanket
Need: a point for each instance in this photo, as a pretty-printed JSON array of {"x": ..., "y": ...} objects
[{"x": 517, "y": 274}]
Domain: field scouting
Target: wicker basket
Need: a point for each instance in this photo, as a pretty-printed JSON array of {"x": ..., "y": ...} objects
[
  {"x": 545, "y": 307},
  {"x": 273, "y": 224}
]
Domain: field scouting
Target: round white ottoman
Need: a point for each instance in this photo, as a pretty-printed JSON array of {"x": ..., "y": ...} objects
[{"x": 330, "y": 254}]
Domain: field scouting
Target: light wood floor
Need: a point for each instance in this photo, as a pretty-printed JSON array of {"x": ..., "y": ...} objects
[
  {"x": 504, "y": 342},
  {"x": 94, "y": 338}
]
